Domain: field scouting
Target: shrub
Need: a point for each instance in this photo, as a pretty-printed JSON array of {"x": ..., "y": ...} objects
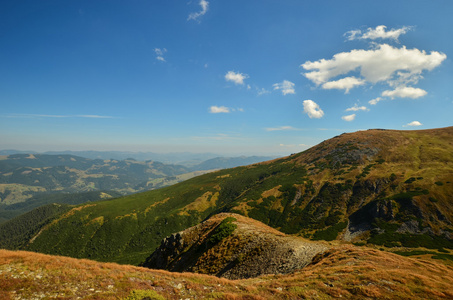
[{"x": 224, "y": 229}]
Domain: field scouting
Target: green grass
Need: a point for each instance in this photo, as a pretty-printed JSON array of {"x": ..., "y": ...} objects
[
  {"x": 434, "y": 255},
  {"x": 223, "y": 230},
  {"x": 330, "y": 233}
]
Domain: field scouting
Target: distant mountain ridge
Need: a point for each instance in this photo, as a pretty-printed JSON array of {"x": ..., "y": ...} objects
[
  {"x": 187, "y": 159},
  {"x": 29, "y": 177},
  {"x": 382, "y": 187}
]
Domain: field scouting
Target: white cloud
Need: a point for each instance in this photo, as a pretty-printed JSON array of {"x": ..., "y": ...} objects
[
  {"x": 357, "y": 108},
  {"x": 286, "y": 86},
  {"x": 281, "y": 128},
  {"x": 237, "y": 78},
  {"x": 349, "y": 118},
  {"x": 375, "y": 101},
  {"x": 160, "y": 54},
  {"x": 219, "y": 109},
  {"x": 377, "y": 33},
  {"x": 346, "y": 84},
  {"x": 405, "y": 92},
  {"x": 312, "y": 109},
  {"x": 94, "y": 116},
  {"x": 204, "y": 9},
  {"x": 385, "y": 63},
  {"x": 413, "y": 123},
  {"x": 261, "y": 91}
]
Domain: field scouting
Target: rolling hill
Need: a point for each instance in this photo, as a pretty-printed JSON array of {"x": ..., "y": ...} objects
[
  {"x": 235, "y": 247},
  {"x": 25, "y": 175},
  {"x": 383, "y": 187}
]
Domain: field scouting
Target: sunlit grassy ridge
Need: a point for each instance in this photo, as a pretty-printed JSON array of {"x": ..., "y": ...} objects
[
  {"x": 388, "y": 187},
  {"x": 345, "y": 271}
]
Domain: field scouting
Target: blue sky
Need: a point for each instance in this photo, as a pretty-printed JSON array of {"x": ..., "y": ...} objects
[{"x": 231, "y": 77}]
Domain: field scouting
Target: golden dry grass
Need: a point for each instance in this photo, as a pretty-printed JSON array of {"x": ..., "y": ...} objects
[{"x": 345, "y": 271}]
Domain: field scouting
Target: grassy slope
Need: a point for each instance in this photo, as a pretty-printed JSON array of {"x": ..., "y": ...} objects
[
  {"x": 312, "y": 193},
  {"x": 234, "y": 247},
  {"x": 345, "y": 271}
]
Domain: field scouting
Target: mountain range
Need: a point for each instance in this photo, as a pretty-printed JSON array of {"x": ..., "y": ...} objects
[
  {"x": 30, "y": 180},
  {"x": 376, "y": 187}
]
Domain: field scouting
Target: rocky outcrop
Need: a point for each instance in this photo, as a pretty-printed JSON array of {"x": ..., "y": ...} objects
[{"x": 251, "y": 250}]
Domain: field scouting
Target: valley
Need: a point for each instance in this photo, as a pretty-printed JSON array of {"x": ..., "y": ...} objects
[{"x": 28, "y": 181}]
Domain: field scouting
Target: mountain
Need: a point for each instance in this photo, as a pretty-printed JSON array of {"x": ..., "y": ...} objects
[
  {"x": 187, "y": 159},
  {"x": 30, "y": 180},
  {"x": 234, "y": 247},
  {"x": 229, "y": 162},
  {"x": 8, "y": 212},
  {"x": 383, "y": 187},
  {"x": 345, "y": 272},
  {"x": 25, "y": 175}
]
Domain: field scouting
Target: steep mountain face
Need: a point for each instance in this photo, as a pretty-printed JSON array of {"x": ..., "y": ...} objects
[
  {"x": 386, "y": 187},
  {"x": 234, "y": 247}
]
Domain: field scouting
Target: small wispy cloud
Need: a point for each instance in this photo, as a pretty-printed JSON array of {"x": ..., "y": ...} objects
[
  {"x": 348, "y": 118},
  {"x": 375, "y": 101},
  {"x": 237, "y": 78},
  {"x": 204, "y": 9},
  {"x": 405, "y": 92},
  {"x": 413, "y": 124},
  {"x": 219, "y": 109},
  {"x": 312, "y": 109},
  {"x": 281, "y": 128},
  {"x": 223, "y": 109},
  {"x": 160, "y": 54},
  {"x": 94, "y": 116},
  {"x": 380, "y": 32},
  {"x": 261, "y": 91},
  {"x": 357, "y": 108},
  {"x": 286, "y": 86}
]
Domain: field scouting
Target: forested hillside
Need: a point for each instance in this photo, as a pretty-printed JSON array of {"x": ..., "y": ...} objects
[{"x": 384, "y": 187}]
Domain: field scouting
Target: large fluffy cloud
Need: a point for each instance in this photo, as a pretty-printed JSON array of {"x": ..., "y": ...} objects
[
  {"x": 385, "y": 63},
  {"x": 375, "y": 65},
  {"x": 286, "y": 86},
  {"x": 379, "y": 32},
  {"x": 237, "y": 78},
  {"x": 312, "y": 109}
]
